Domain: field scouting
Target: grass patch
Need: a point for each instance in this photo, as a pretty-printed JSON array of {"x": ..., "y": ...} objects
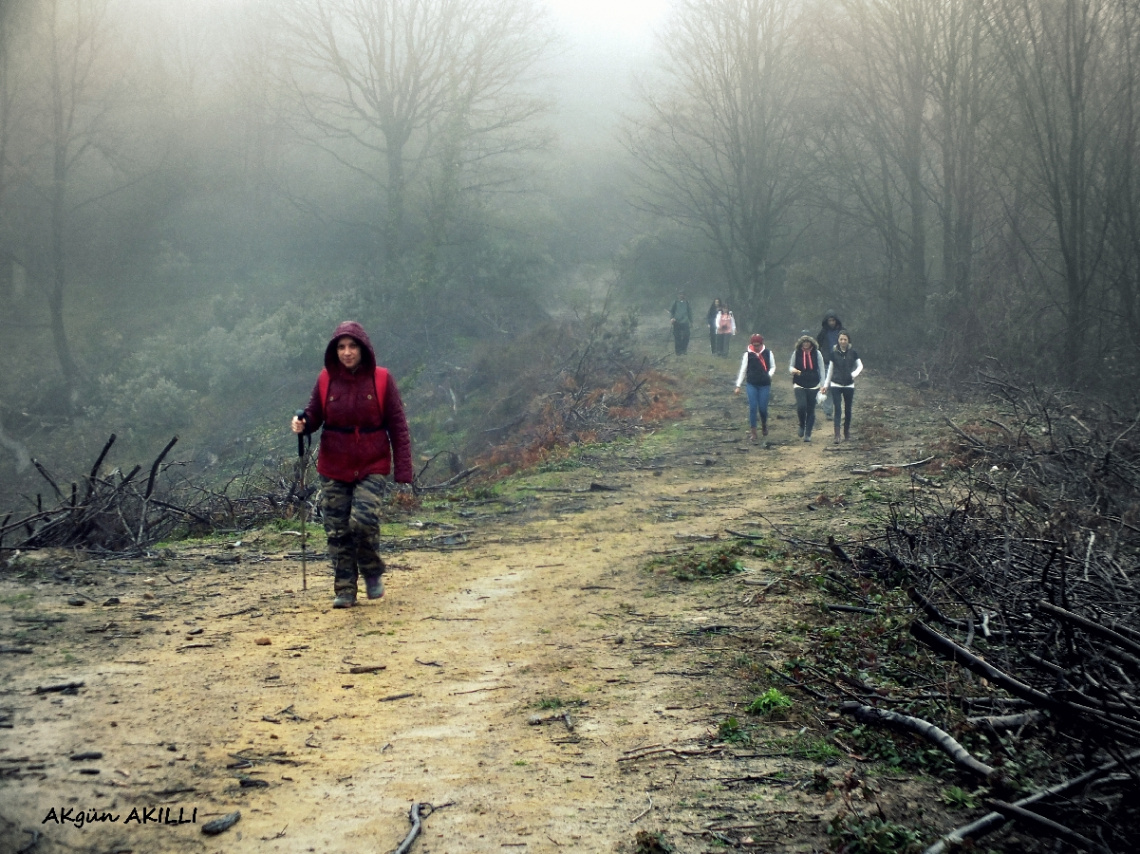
[
  {"x": 853, "y": 833},
  {"x": 703, "y": 563},
  {"x": 552, "y": 703}
]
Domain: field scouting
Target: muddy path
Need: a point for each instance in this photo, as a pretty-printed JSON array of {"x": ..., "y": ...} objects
[{"x": 534, "y": 678}]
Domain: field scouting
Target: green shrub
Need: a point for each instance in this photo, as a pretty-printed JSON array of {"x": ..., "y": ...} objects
[
  {"x": 769, "y": 701},
  {"x": 852, "y": 833}
]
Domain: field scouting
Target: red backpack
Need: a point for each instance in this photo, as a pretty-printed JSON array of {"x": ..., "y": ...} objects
[{"x": 380, "y": 381}]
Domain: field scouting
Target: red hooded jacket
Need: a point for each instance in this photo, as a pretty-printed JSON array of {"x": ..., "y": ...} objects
[{"x": 358, "y": 440}]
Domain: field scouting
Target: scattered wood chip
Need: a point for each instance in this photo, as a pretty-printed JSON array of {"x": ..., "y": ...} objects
[
  {"x": 220, "y": 825},
  {"x": 63, "y": 688}
]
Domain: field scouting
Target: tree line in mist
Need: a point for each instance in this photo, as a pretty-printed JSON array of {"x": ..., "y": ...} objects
[{"x": 193, "y": 193}]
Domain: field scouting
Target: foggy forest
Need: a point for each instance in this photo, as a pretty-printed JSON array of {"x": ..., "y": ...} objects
[
  {"x": 616, "y": 618},
  {"x": 193, "y": 194}
]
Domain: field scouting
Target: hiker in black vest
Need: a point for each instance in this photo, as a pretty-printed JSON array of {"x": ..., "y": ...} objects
[
  {"x": 845, "y": 365},
  {"x": 757, "y": 368},
  {"x": 681, "y": 317},
  {"x": 806, "y": 367}
]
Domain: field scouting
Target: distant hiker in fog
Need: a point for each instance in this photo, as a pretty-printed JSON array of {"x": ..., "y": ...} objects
[
  {"x": 757, "y": 368},
  {"x": 807, "y": 370},
  {"x": 714, "y": 312},
  {"x": 365, "y": 432},
  {"x": 681, "y": 317},
  {"x": 725, "y": 329},
  {"x": 827, "y": 339},
  {"x": 845, "y": 365}
]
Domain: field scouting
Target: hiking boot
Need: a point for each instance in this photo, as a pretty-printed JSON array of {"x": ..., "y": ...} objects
[
  {"x": 807, "y": 438},
  {"x": 345, "y": 599},
  {"x": 752, "y": 435},
  {"x": 846, "y": 433},
  {"x": 374, "y": 587},
  {"x": 837, "y": 435},
  {"x": 764, "y": 429},
  {"x": 801, "y": 431}
]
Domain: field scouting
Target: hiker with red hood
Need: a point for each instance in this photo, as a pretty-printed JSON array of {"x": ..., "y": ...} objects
[
  {"x": 757, "y": 367},
  {"x": 365, "y": 437}
]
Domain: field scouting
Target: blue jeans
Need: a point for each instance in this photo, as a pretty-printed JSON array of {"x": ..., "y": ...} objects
[{"x": 758, "y": 402}]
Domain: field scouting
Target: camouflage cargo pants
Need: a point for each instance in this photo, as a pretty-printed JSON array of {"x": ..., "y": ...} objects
[{"x": 352, "y": 523}]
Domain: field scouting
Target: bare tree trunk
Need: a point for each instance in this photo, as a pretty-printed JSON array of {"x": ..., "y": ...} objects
[{"x": 61, "y": 132}]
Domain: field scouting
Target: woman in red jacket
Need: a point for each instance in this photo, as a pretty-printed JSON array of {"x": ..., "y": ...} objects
[{"x": 365, "y": 434}]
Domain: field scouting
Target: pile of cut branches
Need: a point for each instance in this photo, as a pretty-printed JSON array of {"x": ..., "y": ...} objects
[
  {"x": 123, "y": 513},
  {"x": 1028, "y": 577}
]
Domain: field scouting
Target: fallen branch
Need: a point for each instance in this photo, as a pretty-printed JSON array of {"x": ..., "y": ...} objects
[
  {"x": 1090, "y": 626},
  {"x": 675, "y": 751},
  {"x": 990, "y": 822},
  {"x": 1071, "y": 836},
  {"x": 463, "y": 475},
  {"x": 890, "y": 466},
  {"x": 643, "y": 813},
  {"x": 64, "y": 688},
  {"x": 998, "y": 723},
  {"x": 935, "y": 735},
  {"x": 415, "y": 818},
  {"x": 947, "y": 647}
]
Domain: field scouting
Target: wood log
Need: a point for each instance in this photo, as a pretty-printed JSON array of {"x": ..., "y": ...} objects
[{"x": 935, "y": 735}]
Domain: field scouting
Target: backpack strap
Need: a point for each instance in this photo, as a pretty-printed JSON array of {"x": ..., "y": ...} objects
[
  {"x": 379, "y": 381},
  {"x": 323, "y": 389}
]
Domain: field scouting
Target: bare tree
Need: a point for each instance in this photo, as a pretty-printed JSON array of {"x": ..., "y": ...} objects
[
  {"x": 1068, "y": 94},
  {"x": 722, "y": 145},
  {"x": 964, "y": 80},
  {"x": 79, "y": 97},
  {"x": 9, "y": 108},
  {"x": 1123, "y": 190},
  {"x": 391, "y": 88},
  {"x": 871, "y": 140}
]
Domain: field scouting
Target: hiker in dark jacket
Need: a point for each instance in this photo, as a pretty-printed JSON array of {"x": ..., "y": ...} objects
[
  {"x": 806, "y": 367},
  {"x": 829, "y": 335},
  {"x": 681, "y": 318},
  {"x": 713, "y": 311},
  {"x": 840, "y": 381},
  {"x": 827, "y": 339},
  {"x": 365, "y": 435}
]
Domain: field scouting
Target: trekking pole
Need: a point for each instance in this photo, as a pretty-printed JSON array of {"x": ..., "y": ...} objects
[{"x": 302, "y": 462}]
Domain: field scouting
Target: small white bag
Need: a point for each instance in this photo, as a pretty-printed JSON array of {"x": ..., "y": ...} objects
[{"x": 821, "y": 398}]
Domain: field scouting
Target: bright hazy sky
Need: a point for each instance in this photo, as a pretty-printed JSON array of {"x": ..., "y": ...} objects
[{"x": 632, "y": 20}]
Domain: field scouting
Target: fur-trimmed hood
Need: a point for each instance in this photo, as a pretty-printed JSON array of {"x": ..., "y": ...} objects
[{"x": 800, "y": 341}]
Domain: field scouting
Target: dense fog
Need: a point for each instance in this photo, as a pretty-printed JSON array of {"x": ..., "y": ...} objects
[{"x": 192, "y": 194}]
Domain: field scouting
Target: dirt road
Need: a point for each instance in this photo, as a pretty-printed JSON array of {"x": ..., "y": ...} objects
[{"x": 539, "y": 686}]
